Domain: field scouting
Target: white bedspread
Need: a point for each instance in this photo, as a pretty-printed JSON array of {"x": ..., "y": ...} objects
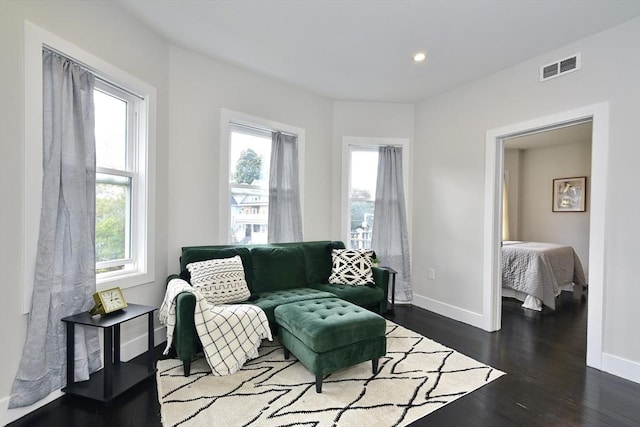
[
  {"x": 540, "y": 269},
  {"x": 230, "y": 334}
]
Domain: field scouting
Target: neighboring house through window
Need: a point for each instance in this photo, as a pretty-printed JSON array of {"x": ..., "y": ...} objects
[
  {"x": 250, "y": 155},
  {"x": 363, "y": 162}
]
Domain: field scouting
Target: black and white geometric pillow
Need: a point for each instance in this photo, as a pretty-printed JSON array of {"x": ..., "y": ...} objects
[
  {"x": 352, "y": 267},
  {"x": 221, "y": 281}
]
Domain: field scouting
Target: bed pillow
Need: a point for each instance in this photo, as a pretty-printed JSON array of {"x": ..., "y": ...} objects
[
  {"x": 221, "y": 281},
  {"x": 352, "y": 267}
]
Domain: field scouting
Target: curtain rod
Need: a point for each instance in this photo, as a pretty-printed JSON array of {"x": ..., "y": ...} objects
[
  {"x": 372, "y": 147},
  {"x": 260, "y": 129},
  {"x": 92, "y": 70}
]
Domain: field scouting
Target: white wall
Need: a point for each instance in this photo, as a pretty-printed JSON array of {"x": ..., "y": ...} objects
[
  {"x": 538, "y": 223},
  {"x": 366, "y": 119},
  {"x": 105, "y": 31},
  {"x": 200, "y": 88},
  {"x": 450, "y": 148}
]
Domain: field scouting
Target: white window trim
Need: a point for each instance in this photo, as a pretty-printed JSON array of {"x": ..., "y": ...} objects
[
  {"x": 227, "y": 117},
  {"x": 373, "y": 143},
  {"x": 135, "y": 149},
  {"x": 35, "y": 38}
]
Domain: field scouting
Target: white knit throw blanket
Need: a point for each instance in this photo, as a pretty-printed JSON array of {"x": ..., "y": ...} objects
[{"x": 230, "y": 334}]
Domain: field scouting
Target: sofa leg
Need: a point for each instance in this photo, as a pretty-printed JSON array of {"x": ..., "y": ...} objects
[
  {"x": 374, "y": 363},
  {"x": 286, "y": 353},
  {"x": 186, "y": 364},
  {"x": 318, "y": 383}
]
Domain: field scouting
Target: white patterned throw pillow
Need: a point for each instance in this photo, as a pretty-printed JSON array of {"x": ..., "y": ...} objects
[
  {"x": 352, "y": 267},
  {"x": 221, "y": 281}
]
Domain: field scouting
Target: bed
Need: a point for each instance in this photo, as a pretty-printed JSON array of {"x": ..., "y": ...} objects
[{"x": 536, "y": 272}]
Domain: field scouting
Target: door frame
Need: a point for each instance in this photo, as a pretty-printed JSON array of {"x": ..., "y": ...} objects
[{"x": 494, "y": 165}]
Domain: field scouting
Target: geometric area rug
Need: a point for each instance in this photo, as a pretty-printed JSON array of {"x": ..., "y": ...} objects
[{"x": 415, "y": 377}]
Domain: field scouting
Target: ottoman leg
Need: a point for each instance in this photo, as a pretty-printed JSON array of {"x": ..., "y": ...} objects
[
  {"x": 374, "y": 363},
  {"x": 318, "y": 383}
]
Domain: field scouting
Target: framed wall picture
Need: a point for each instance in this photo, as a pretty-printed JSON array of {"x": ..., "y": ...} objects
[{"x": 569, "y": 194}]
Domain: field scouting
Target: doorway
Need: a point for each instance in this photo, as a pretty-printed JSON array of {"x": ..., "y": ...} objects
[
  {"x": 494, "y": 166},
  {"x": 531, "y": 163}
]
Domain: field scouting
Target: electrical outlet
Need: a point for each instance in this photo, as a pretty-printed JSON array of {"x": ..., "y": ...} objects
[{"x": 432, "y": 274}]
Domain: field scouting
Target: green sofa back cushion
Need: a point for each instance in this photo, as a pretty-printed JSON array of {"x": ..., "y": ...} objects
[
  {"x": 277, "y": 267},
  {"x": 203, "y": 253},
  {"x": 317, "y": 256}
]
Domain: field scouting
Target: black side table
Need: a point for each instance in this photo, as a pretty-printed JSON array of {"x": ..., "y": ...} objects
[
  {"x": 393, "y": 275},
  {"x": 116, "y": 376}
]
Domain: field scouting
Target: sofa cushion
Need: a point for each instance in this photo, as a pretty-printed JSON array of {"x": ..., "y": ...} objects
[
  {"x": 364, "y": 296},
  {"x": 352, "y": 267},
  {"x": 202, "y": 253},
  {"x": 317, "y": 257},
  {"x": 268, "y": 301},
  {"x": 221, "y": 281},
  {"x": 277, "y": 267}
]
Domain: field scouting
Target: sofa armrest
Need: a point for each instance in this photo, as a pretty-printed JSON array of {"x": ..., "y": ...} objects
[
  {"x": 381, "y": 279},
  {"x": 185, "y": 336},
  {"x": 171, "y": 277}
]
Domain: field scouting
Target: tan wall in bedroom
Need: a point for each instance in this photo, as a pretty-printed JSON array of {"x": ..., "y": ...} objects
[
  {"x": 512, "y": 167},
  {"x": 538, "y": 222}
]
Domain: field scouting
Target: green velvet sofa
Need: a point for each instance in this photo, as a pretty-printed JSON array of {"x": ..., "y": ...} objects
[{"x": 276, "y": 274}]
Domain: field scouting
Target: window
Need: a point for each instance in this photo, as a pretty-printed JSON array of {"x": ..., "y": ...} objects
[
  {"x": 250, "y": 155},
  {"x": 362, "y": 195},
  {"x": 125, "y": 175},
  {"x": 116, "y": 118},
  {"x": 124, "y": 244},
  {"x": 245, "y": 157}
]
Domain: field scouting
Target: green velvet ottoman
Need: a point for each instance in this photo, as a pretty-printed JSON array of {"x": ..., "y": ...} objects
[{"x": 329, "y": 334}]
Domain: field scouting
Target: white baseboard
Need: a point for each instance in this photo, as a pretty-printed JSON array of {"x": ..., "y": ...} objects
[
  {"x": 450, "y": 311},
  {"x": 128, "y": 351},
  {"x": 627, "y": 369}
]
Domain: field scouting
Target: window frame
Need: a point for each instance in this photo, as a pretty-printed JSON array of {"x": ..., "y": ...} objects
[
  {"x": 35, "y": 39},
  {"x": 228, "y": 119},
  {"x": 134, "y": 106},
  {"x": 371, "y": 143}
]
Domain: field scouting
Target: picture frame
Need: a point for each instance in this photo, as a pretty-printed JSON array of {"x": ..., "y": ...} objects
[{"x": 569, "y": 194}]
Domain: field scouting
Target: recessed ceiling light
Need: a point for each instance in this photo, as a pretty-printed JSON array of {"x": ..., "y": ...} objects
[{"x": 419, "y": 57}]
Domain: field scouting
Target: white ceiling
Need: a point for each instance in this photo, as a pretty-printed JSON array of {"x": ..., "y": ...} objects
[{"x": 362, "y": 49}]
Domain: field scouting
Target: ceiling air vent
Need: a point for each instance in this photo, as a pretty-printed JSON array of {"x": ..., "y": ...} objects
[{"x": 559, "y": 68}]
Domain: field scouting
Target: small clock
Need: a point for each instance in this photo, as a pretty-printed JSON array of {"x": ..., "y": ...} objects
[{"x": 108, "y": 301}]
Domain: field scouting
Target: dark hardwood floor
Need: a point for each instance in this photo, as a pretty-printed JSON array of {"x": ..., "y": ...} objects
[{"x": 543, "y": 354}]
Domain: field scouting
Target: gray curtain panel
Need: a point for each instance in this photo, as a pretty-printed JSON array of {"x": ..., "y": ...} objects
[
  {"x": 64, "y": 278},
  {"x": 390, "y": 237},
  {"x": 285, "y": 215}
]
